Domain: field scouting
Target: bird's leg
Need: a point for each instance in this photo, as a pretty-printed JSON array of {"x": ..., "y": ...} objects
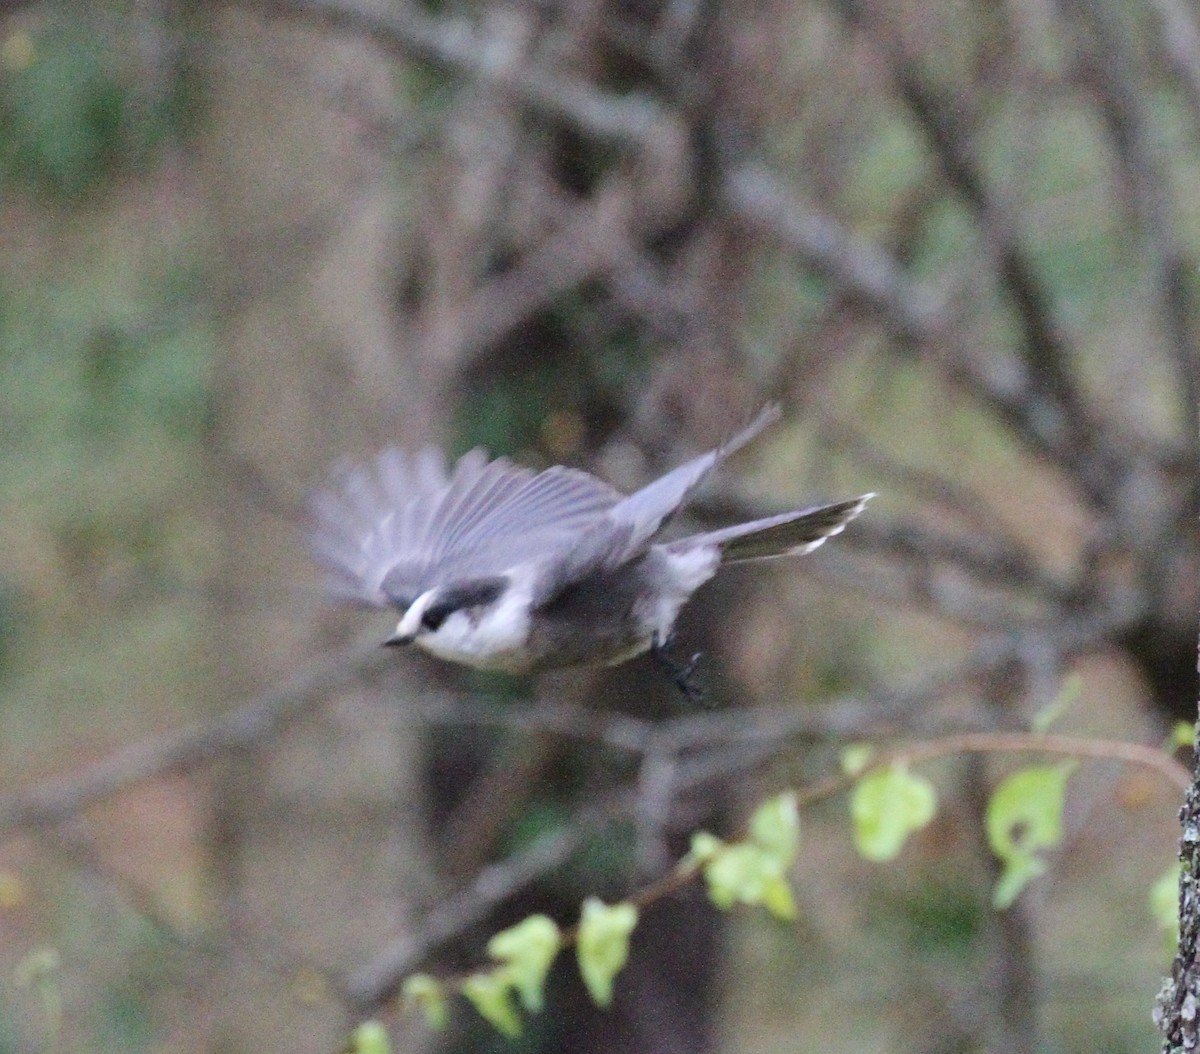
[{"x": 681, "y": 672}]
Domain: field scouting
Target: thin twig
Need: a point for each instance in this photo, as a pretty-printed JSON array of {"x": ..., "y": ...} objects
[
  {"x": 1110, "y": 68},
  {"x": 248, "y": 725},
  {"x": 1180, "y": 37},
  {"x": 454, "y": 44}
]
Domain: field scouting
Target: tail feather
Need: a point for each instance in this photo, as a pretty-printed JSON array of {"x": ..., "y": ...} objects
[{"x": 787, "y": 534}]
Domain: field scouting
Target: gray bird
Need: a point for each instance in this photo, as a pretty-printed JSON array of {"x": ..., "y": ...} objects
[{"x": 502, "y": 568}]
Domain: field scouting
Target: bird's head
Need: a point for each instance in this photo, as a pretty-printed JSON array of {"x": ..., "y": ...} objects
[{"x": 429, "y": 612}]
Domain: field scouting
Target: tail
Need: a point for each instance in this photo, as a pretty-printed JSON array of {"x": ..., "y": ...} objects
[{"x": 788, "y": 534}]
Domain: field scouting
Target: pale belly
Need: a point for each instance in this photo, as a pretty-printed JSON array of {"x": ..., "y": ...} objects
[{"x": 537, "y": 655}]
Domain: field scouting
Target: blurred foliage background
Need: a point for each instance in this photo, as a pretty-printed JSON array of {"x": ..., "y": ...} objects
[{"x": 240, "y": 241}]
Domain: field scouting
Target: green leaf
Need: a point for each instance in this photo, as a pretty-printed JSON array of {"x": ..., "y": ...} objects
[
  {"x": 889, "y": 804},
  {"x": 427, "y": 994},
  {"x": 705, "y": 847},
  {"x": 753, "y": 871},
  {"x": 1024, "y": 816},
  {"x": 1182, "y": 735},
  {"x": 856, "y": 757},
  {"x": 370, "y": 1038},
  {"x": 528, "y": 949},
  {"x": 748, "y": 874},
  {"x": 737, "y": 874},
  {"x": 1019, "y": 870},
  {"x": 1068, "y": 696},
  {"x": 1164, "y": 899},
  {"x": 489, "y": 994},
  {"x": 603, "y": 945},
  {"x": 777, "y": 898},
  {"x": 775, "y": 828}
]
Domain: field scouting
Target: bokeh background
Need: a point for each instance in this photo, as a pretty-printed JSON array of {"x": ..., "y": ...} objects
[{"x": 957, "y": 241}]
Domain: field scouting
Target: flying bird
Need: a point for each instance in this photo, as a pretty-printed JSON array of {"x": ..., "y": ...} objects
[{"x": 498, "y": 567}]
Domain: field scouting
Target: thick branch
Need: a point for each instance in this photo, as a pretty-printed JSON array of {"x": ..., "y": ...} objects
[{"x": 1178, "y": 1002}]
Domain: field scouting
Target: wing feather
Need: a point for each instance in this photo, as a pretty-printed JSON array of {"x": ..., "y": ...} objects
[
  {"x": 402, "y": 524},
  {"x": 489, "y": 491},
  {"x": 646, "y": 511},
  {"x": 392, "y": 529}
]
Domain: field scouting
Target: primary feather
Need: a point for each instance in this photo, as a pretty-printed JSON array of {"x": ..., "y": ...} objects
[{"x": 400, "y": 526}]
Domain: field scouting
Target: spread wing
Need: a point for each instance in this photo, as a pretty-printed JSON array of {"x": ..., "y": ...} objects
[
  {"x": 392, "y": 529},
  {"x": 630, "y": 525}
]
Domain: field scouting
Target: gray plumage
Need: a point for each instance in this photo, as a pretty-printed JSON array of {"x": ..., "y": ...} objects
[{"x": 499, "y": 567}]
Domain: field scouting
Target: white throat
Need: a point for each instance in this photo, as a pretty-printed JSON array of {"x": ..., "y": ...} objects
[{"x": 490, "y": 637}]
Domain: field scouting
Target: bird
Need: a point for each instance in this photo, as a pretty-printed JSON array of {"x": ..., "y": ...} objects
[{"x": 498, "y": 567}]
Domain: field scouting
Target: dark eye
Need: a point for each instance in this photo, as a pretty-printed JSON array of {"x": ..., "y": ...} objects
[
  {"x": 458, "y": 596},
  {"x": 436, "y": 614}
]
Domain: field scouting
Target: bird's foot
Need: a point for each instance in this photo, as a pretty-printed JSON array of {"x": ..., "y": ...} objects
[{"x": 682, "y": 673}]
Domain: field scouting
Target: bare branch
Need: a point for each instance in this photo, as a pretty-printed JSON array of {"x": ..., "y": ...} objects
[
  {"x": 863, "y": 270},
  {"x": 592, "y": 242},
  {"x": 246, "y": 726},
  {"x": 213, "y": 950},
  {"x": 1180, "y": 38},
  {"x": 1143, "y": 167},
  {"x": 379, "y": 979},
  {"x": 454, "y": 44},
  {"x": 1037, "y": 399},
  {"x": 757, "y": 736}
]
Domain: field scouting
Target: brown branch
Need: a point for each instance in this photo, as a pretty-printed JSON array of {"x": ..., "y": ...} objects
[
  {"x": 218, "y": 949},
  {"x": 379, "y": 981},
  {"x": 246, "y": 726},
  {"x": 760, "y": 736},
  {"x": 863, "y": 270},
  {"x": 1110, "y": 69},
  {"x": 1180, "y": 38},
  {"x": 1138, "y": 755},
  {"x": 932, "y": 488},
  {"x": 593, "y": 241},
  {"x": 747, "y": 191},
  {"x": 1045, "y": 405},
  {"x": 454, "y": 44}
]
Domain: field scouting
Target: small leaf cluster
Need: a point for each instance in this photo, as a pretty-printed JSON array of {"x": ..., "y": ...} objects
[
  {"x": 754, "y": 870},
  {"x": 524, "y": 954},
  {"x": 369, "y": 1038},
  {"x": 887, "y": 805},
  {"x": 1024, "y": 816}
]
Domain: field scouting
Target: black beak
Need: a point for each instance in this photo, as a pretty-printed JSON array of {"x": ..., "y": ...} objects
[{"x": 397, "y": 640}]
